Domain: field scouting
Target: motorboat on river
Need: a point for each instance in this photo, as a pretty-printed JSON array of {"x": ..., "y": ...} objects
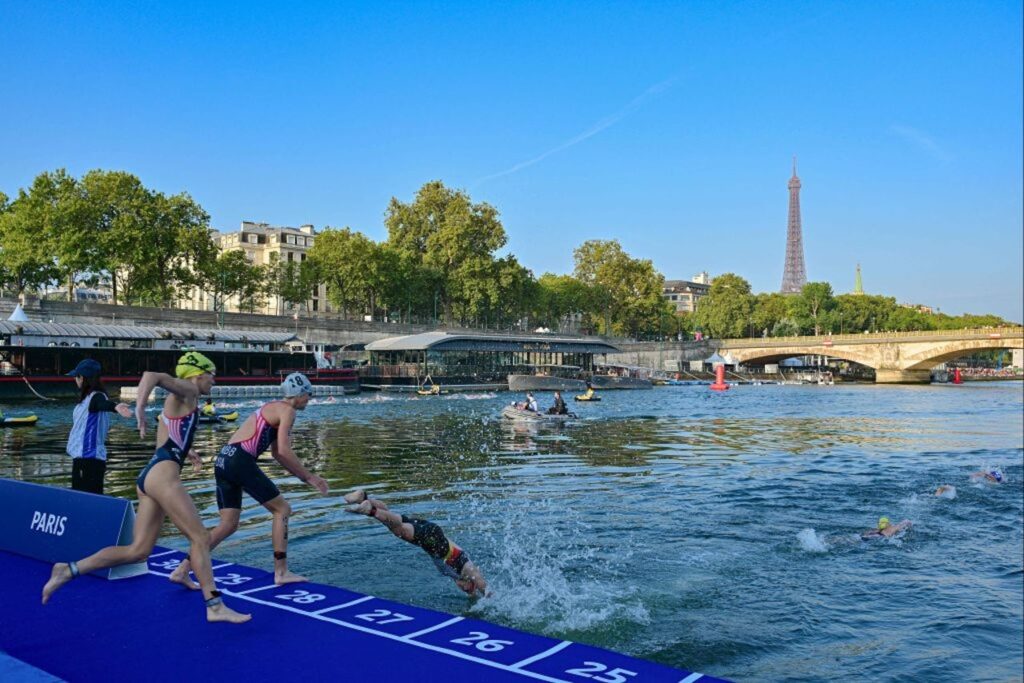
[{"x": 524, "y": 415}]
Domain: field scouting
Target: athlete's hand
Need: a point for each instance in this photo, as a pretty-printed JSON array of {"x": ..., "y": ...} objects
[
  {"x": 317, "y": 482},
  {"x": 123, "y": 410},
  {"x": 196, "y": 460},
  {"x": 140, "y": 419}
]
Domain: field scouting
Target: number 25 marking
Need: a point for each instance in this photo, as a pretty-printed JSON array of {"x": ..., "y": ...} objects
[{"x": 589, "y": 669}]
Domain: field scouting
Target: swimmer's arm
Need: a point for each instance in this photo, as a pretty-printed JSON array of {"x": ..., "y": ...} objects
[
  {"x": 282, "y": 451},
  {"x": 151, "y": 380}
]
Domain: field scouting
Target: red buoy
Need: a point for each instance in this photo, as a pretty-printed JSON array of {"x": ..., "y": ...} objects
[
  {"x": 957, "y": 379},
  {"x": 719, "y": 384}
]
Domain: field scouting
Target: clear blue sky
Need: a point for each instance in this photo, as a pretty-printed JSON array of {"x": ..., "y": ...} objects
[{"x": 669, "y": 126}]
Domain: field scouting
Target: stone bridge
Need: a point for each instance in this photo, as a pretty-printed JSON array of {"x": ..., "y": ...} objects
[{"x": 895, "y": 356}]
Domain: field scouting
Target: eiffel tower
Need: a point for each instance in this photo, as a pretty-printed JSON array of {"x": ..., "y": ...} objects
[{"x": 795, "y": 276}]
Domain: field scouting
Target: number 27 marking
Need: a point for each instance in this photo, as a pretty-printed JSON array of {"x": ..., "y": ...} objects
[{"x": 377, "y": 616}]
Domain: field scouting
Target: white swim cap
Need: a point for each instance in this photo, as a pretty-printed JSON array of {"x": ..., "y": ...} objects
[{"x": 296, "y": 384}]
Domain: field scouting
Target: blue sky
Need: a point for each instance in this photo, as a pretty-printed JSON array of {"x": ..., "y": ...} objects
[{"x": 669, "y": 126}]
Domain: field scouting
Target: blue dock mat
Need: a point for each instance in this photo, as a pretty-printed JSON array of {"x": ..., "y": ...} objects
[{"x": 148, "y": 628}]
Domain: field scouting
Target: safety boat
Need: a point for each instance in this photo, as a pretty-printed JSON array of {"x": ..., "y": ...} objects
[
  {"x": 522, "y": 415},
  {"x": 23, "y": 421}
]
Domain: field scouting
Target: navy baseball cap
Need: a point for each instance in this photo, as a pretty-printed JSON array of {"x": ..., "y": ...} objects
[{"x": 86, "y": 368}]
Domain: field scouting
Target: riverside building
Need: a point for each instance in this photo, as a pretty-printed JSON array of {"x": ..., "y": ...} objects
[{"x": 263, "y": 245}]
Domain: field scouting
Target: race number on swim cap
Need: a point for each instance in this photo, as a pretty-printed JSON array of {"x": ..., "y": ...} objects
[
  {"x": 295, "y": 384},
  {"x": 193, "y": 364}
]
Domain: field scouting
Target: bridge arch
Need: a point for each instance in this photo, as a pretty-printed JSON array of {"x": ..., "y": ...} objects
[
  {"x": 761, "y": 356},
  {"x": 938, "y": 354}
]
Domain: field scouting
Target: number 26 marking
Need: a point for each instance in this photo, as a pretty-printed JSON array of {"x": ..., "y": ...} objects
[{"x": 482, "y": 642}]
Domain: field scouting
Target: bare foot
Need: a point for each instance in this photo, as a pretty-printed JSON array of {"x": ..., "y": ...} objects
[
  {"x": 288, "y": 577},
  {"x": 180, "y": 576},
  {"x": 222, "y": 612},
  {"x": 60, "y": 575},
  {"x": 357, "y": 496},
  {"x": 364, "y": 508}
]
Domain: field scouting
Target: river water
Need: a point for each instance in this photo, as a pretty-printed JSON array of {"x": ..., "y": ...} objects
[{"x": 713, "y": 531}]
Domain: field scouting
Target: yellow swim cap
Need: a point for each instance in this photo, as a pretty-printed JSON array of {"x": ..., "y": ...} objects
[
  {"x": 882, "y": 523},
  {"x": 193, "y": 364}
]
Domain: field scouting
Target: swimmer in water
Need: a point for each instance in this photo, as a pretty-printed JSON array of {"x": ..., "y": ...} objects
[
  {"x": 885, "y": 529},
  {"x": 159, "y": 488},
  {"x": 993, "y": 476},
  {"x": 236, "y": 471},
  {"x": 946, "y": 491},
  {"x": 451, "y": 560}
]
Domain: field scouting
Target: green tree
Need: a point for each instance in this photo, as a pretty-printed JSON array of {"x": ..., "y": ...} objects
[
  {"x": 812, "y": 306},
  {"x": 451, "y": 237},
  {"x": 55, "y": 209},
  {"x": 627, "y": 290},
  {"x": 26, "y": 262},
  {"x": 768, "y": 309},
  {"x": 726, "y": 310},
  {"x": 856, "y": 313}
]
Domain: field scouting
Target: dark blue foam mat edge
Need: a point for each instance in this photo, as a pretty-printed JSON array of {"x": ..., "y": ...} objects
[{"x": 95, "y": 629}]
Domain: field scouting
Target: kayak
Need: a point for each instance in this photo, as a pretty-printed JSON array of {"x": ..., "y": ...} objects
[
  {"x": 25, "y": 421},
  {"x": 513, "y": 413},
  {"x": 583, "y": 397},
  {"x": 425, "y": 392},
  {"x": 219, "y": 418}
]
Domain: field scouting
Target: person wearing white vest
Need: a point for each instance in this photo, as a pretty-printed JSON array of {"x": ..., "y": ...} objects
[{"x": 87, "y": 442}]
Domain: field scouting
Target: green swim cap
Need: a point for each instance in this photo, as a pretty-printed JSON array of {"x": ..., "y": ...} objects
[
  {"x": 883, "y": 522},
  {"x": 193, "y": 364}
]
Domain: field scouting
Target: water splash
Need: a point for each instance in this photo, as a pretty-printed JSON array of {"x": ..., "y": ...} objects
[
  {"x": 812, "y": 542},
  {"x": 551, "y": 577}
]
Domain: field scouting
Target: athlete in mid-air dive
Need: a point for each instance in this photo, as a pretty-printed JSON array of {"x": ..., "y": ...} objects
[{"x": 451, "y": 560}]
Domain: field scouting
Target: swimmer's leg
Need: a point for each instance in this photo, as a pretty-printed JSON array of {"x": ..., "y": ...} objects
[
  {"x": 166, "y": 488},
  {"x": 281, "y": 510},
  {"x": 144, "y": 534},
  {"x": 375, "y": 508},
  {"x": 227, "y": 525}
]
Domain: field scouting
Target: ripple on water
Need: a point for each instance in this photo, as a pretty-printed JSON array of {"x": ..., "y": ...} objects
[{"x": 714, "y": 532}]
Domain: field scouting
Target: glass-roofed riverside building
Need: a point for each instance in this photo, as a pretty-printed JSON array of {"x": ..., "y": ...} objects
[
  {"x": 34, "y": 356},
  {"x": 485, "y": 361}
]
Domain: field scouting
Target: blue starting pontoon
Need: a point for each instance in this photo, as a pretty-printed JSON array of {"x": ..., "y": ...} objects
[{"x": 146, "y": 628}]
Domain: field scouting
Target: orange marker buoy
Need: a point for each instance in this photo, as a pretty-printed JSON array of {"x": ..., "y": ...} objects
[
  {"x": 957, "y": 379},
  {"x": 719, "y": 384}
]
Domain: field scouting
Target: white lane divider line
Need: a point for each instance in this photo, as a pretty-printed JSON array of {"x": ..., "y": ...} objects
[
  {"x": 402, "y": 639},
  {"x": 166, "y": 552},
  {"x": 254, "y": 590},
  {"x": 221, "y": 566},
  {"x": 692, "y": 677},
  {"x": 343, "y": 606},
  {"x": 451, "y": 621},
  {"x": 547, "y": 653}
]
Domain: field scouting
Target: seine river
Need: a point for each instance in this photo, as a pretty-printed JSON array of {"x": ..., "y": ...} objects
[{"x": 716, "y": 532}]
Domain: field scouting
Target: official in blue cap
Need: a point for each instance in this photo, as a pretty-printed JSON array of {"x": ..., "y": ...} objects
[
  {"x": 90, "y": 423},
  {"x": 88, "y": 368}
]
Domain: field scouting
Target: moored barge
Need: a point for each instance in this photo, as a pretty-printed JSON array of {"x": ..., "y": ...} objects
[{"x": 35, "y": 356}]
